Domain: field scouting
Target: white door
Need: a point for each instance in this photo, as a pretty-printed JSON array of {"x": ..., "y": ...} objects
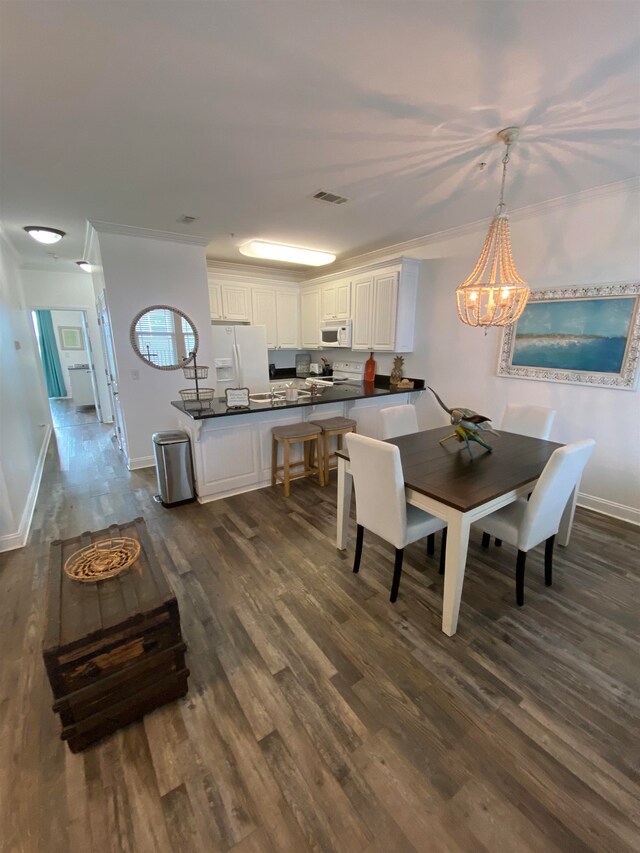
[
  {"x": 263, "y": 303},
  {"x": 92, "y": 366},
  {"x": 362, "y": 313},
  {"x": 288, "y": 309},
  {"x": 385, "y": 304},
  {"x": 111, "y": 371},
  {"x": 310, "y": 323}
]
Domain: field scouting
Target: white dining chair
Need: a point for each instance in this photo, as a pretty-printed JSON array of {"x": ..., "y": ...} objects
[
  {"x": 381, "y": 506},
  {"x": 403, "y": 420},
  {"x": 526, "y": 523},
  {"x": 398, "y": 420},
  {"x": 534, "y": 421}
]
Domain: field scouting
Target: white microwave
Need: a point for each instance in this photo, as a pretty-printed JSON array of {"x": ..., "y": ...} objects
[{"x": 335, "y": 333}]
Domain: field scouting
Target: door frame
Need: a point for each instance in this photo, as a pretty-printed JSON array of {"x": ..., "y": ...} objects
[{"x": 88, "y": 346}]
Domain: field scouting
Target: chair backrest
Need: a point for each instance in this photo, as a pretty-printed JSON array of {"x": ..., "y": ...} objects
[
  {"x": 381, "y": 505},
  {"x": 398, "y": 420},
  {"x": 534, "y": 421},
  {"x": 552, "y": 491}
]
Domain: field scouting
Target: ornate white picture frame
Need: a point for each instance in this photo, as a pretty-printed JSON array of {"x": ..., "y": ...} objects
[{"x": 579, "y": 335}]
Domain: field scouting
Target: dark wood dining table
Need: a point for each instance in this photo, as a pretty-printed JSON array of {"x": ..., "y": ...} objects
[{"x": 443, "y": 479}]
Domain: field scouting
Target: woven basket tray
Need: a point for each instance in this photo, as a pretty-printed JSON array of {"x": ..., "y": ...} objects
[
  {"x": 190, "y": 372},
  {"x": 191, "y": 394},
  {"x": 102, "y": 560}
]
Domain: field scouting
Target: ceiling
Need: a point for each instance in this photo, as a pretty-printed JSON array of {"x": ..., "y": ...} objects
[{"x": 237, "y": 112}]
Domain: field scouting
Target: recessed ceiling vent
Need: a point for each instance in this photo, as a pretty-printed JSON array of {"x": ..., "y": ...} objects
[
  {"x": 186, "y": 220},
  {"x": 330, "y": 198}
]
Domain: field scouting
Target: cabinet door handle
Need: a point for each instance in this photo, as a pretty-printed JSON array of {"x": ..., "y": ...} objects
[
  {"x": 150, "y": 645},
  {"x": 92, "y": 669}
]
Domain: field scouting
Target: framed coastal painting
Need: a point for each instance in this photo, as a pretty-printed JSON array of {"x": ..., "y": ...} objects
[{"x": 581, "y": 335}]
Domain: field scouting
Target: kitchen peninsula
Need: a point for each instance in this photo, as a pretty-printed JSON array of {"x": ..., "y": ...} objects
[{"x": 232, "y": 447}]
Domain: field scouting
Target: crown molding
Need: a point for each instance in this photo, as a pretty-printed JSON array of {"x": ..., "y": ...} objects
[
  {"x": 133, "y": 231},
  {"x": 230, "y": 268},
  {"x": 516, "y": 214}
]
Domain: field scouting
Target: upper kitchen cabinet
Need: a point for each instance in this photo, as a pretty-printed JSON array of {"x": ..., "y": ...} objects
[
  {"x": 215, "y": 301},
  {"x": 384, "y": 305},
  {"x": 230, "y": 302},
  {"x": 288, "y": 318},
  {"x": 336, "y": 300},
  {"x": 279, "y": 312},
  {"x": 310, "y": 318},
  {"x": 263, "y": 303}
]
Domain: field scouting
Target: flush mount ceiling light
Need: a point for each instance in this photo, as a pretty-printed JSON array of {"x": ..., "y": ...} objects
[
  {"x": 494, "y": 294},
  {"x": 84, "y": 265},
  {"x": 289, "y": 254},
  {"x": 44, "y": 235}
]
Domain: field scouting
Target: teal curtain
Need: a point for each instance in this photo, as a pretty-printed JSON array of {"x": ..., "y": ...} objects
[{"x": 49, "y": 352}]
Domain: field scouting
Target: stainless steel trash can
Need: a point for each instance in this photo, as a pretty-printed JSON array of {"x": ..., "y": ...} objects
[{"x": 174, "y": 467}]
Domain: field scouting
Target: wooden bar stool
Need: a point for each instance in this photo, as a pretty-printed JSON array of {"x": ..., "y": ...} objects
[
  {"x": 307, "y": 433},
  {"x": 338, "y": 427}
]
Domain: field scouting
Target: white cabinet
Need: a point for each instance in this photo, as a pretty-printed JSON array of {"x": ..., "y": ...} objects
[
  {"x": 374, "y": 316},
  {"x": 81, "y": 387},
  {"x": 310, "y": 318},
  {"x": 384, "y": 308},
  {"x": 230, "y": 302},
  {"x": 336, "y": 300},
  {"x": 362, "y": 312},
  {"x": 265, "y": 314},
  {"x": 288, "y": 319},
  {"x": 236, "y": 302},
  {"x": 279, "y": 312},
  {"x": 215, "y": 301}
]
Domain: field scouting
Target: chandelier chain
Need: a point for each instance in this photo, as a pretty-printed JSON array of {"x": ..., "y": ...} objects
[{"x": 501, "y": 205}]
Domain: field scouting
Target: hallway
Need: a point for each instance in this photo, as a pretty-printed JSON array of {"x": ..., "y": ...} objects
[{"x": 320, "y": 717}]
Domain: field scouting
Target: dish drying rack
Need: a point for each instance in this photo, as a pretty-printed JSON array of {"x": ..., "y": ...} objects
[{"x": 196, "y": 399}]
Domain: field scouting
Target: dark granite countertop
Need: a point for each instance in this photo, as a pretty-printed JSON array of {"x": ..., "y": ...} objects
[{"x": 337, "y": 394}]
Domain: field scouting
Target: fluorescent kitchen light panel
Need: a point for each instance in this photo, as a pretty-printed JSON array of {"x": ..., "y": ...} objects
[{"x": 289, "y": 254}]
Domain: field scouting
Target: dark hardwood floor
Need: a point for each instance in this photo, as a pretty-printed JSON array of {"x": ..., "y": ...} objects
[{"x": 319, "y": 716}]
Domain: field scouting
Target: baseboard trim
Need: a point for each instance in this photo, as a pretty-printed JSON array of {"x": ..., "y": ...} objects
[
  {"x": 11, "y": 541},
  {"x": 140, "y": 462},
  {"x": 605, "y": 507}
]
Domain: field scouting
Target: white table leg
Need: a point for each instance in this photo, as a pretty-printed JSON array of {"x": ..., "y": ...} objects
[
  {"x": 566, "y": 522},
  {"x": 457, "y": 545},
  {"x": 345, "y": 484}
]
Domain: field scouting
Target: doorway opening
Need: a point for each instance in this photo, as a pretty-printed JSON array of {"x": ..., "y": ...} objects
[{"x": 67, "y": 365}]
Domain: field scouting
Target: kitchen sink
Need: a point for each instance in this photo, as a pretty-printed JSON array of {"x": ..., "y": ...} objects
[{"x": 278, "y": 396}]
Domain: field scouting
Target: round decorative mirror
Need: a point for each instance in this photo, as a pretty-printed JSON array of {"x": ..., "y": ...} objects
[{"x": 164, "y": 337}]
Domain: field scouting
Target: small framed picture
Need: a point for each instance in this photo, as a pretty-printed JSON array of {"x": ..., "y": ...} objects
[
  {"x": 70, "y": 337},
  {"x": 237, "y": 398}
]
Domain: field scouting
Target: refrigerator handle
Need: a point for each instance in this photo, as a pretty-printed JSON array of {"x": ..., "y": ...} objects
[{"x": 236, "y": 350}]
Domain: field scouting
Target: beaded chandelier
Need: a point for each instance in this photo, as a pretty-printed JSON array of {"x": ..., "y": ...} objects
[{"x": 494, "y": 294}]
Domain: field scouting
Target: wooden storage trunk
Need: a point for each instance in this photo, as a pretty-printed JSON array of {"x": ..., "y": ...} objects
[{"x": 113, "y": 649}]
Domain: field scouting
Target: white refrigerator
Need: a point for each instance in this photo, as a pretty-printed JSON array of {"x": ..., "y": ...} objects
[{"x": 240, "y": 358}]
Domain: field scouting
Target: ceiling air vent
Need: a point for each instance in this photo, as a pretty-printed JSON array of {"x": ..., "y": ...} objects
[
  {"x": 186, "y": 220},
  {"x": 330, "y": 198}
]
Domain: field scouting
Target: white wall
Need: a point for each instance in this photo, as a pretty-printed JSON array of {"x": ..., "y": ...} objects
[
  {"x": 139, "y": 272},
  {"x": 581, "y": 241},
  {"x": 25, "y": 421},
  {"x": 62, "y": 290}
]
